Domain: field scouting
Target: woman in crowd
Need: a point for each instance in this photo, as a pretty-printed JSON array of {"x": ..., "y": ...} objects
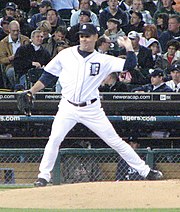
[
  {"x": 149, "y": 31},
  {"x": 46, "y": 29},
  {"x": 162, "y": 23}
]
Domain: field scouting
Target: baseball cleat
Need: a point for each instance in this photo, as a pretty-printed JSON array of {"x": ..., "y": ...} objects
[
  {"x": 154, "y": 175},
  {"x": 40, "y": 182}
]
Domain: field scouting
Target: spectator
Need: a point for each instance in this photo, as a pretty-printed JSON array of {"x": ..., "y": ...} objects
[
  {"x": 171, "y": 57},
  {"x": 44, "y": 6},
  {"x": 113, "y": 11},
  {"x": 65, "y": 8},
  {"x": 8, "y": 47},
  {"x": 167, "y": 7},
  {"x": 112, "y": 84},
  {"x": 114, "y": 30},
  {"x": 139, "y": 75},
  {"x": 31, "y": 56},
  {"x": 173, "y": 32},
  {"x": 25, "y": 27},
  {"x": 83, "y": 5},
  {"x": 54, "y": 19},
  {"x": 103, "y": 44},
  {"x": 149, "y": 31},
  {"x": 124, "y": 171},
  {"x": 174, "y": 83},
  {"x": 162, "y": 23},
  {"x": 72, "y": 35},
  {"x": 157, "y": 83},
  {"x": 9, "y": 10},
  {"x": 136, "y": 23},
  {"x": 155, "y": 47},
  {"x": 46, "y": 29},
  {"x": 137, "y": 6},
  {"x": 56, "y": 41},
  {"x": 4, "y": 29}
]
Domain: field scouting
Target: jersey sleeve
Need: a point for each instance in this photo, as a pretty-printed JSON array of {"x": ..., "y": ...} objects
[
  {"x": 131, "y": 61},
  {"x": 47, "y": 79},
  {"x": 54, "y": 67}
]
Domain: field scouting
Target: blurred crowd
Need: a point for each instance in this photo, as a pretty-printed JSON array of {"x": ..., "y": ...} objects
[{"x": 33, "y": 32}]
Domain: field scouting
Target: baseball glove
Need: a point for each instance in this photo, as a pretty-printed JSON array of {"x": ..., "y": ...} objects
[{"x": 25, "y": 102}]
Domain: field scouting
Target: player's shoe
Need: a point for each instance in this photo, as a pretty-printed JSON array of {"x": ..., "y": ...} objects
[
  {"x": 40, "y": 182},
  {"x": 154, "y": 175}
]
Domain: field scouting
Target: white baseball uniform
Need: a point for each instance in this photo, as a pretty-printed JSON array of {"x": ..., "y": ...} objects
[{"x": 80, "y": 78}]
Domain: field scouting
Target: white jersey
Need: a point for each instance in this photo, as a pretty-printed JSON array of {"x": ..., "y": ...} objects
[
  {"x": 80, "y": 77},
  {"x": 172, "y": 85}
]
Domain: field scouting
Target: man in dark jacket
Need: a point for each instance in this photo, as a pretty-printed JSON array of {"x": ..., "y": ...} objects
[
  {"x": 44, "y": 6},
  {"x": 173, "y": 32},
  {"x": 157, "y": 83},
  {"x": 136, "y": 23},
  {"x": 113, "y": 11},
  {"x": 31, "y": 56},
  {"x": 139, "y": 75},
  {"x": 54, "y": 19}
]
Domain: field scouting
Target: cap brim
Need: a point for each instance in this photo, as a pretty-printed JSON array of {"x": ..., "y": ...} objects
[
  {"x": 152, "y": 75},
  {"x": 12, "y": 8},
  {"x": 84, "y": 33},
  {"x": 5, "y": 22},
  {"x": 175, "y": 69},
  {"x": 131, "y": 38}
]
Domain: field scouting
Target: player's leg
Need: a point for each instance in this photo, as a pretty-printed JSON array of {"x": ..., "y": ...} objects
[
  {"x": 96, "y": 120},
  {"x": 64, "y": 121}
]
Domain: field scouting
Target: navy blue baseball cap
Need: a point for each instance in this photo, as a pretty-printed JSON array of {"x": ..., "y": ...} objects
[
  {"x": 85, "y": 12},
  {"x": 87, "y": 29},
  {"x": 11, "y": 6},
  {"x": 157, "y": 72},
  {"x": 175, "y": 67},
  {"x": 45, "y": 3}
]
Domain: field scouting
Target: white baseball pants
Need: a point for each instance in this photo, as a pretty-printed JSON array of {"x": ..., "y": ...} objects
[{"x": 95, "y": 119}]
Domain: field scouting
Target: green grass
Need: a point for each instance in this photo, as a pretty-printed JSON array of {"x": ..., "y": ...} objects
[{"x": 89, "y": 210}]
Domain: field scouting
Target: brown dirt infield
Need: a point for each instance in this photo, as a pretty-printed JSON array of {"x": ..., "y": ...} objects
[{"x": 126, "y": 194}]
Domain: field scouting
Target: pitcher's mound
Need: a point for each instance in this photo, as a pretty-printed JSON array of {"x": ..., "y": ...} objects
[{"x": 126, "y": 194}]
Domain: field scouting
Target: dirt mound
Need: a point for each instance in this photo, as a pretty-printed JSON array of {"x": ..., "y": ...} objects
[{"x": 126, "y": 194}]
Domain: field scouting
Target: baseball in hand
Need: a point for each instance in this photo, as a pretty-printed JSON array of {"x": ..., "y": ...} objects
[
  {"x": 120, "y": 41},
  {"x": 125, "y": 42}
]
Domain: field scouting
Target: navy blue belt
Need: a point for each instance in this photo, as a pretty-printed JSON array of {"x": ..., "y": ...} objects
[{"x": 83, "y": 104}]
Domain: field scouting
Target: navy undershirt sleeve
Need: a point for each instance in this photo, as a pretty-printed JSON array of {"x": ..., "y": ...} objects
[
  {"x": 131, "y": 61},
  {"x": 47, "y": 78}
]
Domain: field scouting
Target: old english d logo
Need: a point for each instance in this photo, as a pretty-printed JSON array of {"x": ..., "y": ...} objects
[{"x": 94, "y": 69}]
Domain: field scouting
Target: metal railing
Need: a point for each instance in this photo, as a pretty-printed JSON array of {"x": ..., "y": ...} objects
[{"x": 20, "y": 166}]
